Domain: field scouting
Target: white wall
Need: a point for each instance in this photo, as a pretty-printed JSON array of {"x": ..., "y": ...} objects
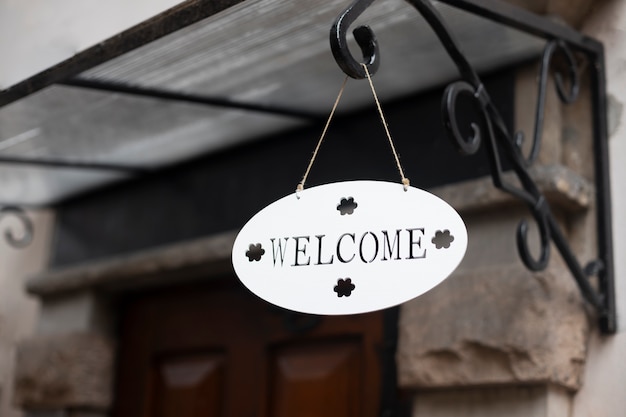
[
  {"x": 37, "y": 34},
  {"x": 18, "y": 311},
  {"x": 604, "y": 390}
]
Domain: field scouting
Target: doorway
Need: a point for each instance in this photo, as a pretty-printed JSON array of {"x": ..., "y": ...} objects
[{"x": 218, "y": 350}]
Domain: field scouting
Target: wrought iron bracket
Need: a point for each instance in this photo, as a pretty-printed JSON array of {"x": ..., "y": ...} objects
[{"x": 500, "y": 142}]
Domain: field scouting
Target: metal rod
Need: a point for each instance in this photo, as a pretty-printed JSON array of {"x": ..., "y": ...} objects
[
  {"x": 58, "y": 163},
  {"x": 113, "y": 86},
  {"x": 606, "y": 276},
  {"x": 169, "y": 21}
]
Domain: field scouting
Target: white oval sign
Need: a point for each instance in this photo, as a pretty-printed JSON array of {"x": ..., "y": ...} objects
[{"x": 349, "y": 247}]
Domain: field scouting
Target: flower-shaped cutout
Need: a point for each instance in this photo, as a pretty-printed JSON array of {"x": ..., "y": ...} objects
[
  {"x": 442, "y": 239},
  {"x": 344, "y": 287},
  {"x": 347, "y": 206},
  {"x": 255, "y": 252}
]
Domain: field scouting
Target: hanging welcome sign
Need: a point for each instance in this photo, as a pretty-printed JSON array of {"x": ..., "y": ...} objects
[{"x": 349, "y": 247}]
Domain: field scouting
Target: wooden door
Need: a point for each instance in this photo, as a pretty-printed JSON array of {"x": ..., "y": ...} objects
[{"x": 220, "y": 351}]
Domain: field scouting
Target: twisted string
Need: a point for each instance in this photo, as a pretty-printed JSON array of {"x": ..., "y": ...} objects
[
  {"x": 300, "y": 185},
  {"x": 405, "y": 181}
]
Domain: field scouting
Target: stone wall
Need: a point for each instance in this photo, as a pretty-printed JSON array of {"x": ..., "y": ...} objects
[
  {"x": 18, "y": 311},
  {"x": 67, "y": 369}
]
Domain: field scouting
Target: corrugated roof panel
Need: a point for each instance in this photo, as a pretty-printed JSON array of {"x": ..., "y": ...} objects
[{"x": 268, "y": 52}]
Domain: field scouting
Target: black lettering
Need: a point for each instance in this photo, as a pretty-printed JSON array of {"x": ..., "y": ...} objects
[
  {"x": 280, "y": 251},
  {"x": 341, "y": 258},
  {"x": 361, "y": 247},
  {"x": 391, "y": 246},
  {"x": 417, "y": 242},
  {"x": 319, "y": 252},
  {"x": 301, "y": 250}
]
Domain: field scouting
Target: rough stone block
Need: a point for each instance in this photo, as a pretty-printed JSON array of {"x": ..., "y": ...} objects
[
  {"x": 495, "y": 325},
  {"x": 65, "y": 371}
]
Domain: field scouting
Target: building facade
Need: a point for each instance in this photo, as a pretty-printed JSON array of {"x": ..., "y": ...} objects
[{"x": 133, "y": 309}]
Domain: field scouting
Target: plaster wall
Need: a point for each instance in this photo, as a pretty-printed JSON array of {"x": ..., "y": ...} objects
[
  {"x": 60, "y": 29},
  {"x": 602, "y": 393},
  {"x": 18, "y": 311}
]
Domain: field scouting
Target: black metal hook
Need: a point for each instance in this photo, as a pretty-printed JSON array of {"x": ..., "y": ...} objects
[
  {"x": 364, "y": 36},
  {"x": 366, "y": 40}
]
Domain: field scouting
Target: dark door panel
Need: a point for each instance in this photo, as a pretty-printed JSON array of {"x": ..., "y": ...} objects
[{"x": 219, "y": 351}]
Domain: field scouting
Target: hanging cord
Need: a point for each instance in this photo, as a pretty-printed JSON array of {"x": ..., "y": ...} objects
[
  {"x": 300, "y": 186},
  {"x": 405, "y": 180}
]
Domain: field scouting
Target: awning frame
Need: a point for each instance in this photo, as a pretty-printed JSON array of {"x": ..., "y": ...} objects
[{"x": 560, "y": 39}]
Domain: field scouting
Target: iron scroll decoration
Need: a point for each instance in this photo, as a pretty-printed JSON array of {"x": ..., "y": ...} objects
[
  {"x": 24, "y": 237},
  {"x": 495, "y": 135}
]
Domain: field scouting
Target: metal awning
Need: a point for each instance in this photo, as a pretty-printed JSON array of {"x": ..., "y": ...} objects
[{"x": 245, "y": 73}]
